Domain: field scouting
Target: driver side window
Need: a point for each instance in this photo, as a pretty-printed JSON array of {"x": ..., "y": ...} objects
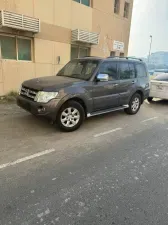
[{"x": 109, "y": 68}]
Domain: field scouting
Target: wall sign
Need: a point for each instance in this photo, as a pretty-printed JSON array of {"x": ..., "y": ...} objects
[{"x": 118, "y": 46}]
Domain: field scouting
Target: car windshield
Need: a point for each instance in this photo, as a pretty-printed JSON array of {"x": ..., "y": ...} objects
[
  {"x": 81, "y": 69},
  {"x": 162, "y": 77}
]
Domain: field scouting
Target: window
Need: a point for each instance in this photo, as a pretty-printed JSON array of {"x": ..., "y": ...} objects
[
  {"x": 15, "y": 48},
  {"x": 126, "y": 9},
  {"x": 140, "y": 70},
  {"x": 112, "y": 54},
  {"x": 74, "y": 52},
  {"x": 132, "y": 70},
  {"x": 126, "y": 71},
  {"x": 121, "y": 54},
  {"x": 109, "y": 68},
  {"x": 24, "y": 49},
  {"x": 79, "y": 68},
  {"x": 8, "y": 47},
  {"x": 84, "y": 2},
  {"x": 79, "y": 52},
  {"x": 116, "y": 6}
]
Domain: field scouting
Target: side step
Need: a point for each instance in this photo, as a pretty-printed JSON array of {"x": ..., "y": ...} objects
[{"x": 107, "y": 111}]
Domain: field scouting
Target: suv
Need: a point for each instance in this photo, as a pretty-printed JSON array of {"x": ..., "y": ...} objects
[{"x": 87, "y": 87}]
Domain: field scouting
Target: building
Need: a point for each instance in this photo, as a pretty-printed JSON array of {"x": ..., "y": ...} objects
[
  {"x": 38, "y": 37},
  {"x": 159, "y": 58}
]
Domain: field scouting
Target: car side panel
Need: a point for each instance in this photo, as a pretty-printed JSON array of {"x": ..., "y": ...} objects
[{"x": 127, "y": 89}]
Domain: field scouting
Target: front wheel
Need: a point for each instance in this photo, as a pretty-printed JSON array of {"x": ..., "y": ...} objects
[
  {"x": 134, "y": 105},
  {"x": 70, "y": 116}
]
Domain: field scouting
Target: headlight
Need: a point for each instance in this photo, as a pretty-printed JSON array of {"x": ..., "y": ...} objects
[
  {"x": 20, "y": 88},
  {"x": 45, "y": 97}
]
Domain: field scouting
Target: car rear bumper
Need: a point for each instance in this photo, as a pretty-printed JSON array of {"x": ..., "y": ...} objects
[{"x": 48, "y": 110}]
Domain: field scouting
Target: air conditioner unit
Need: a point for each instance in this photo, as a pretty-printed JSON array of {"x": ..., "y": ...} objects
[
  {"x": 19, "y": 21},
  {"x": 85, "y": 37}
]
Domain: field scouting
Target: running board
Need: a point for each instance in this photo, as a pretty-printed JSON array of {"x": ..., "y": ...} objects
[{"x": 107, "y": 111}]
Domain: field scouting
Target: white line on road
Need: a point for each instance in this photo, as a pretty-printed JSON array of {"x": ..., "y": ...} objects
[
  {"x": 107, "y": 132},
  {"x": 153, "y": 118},
  {"x": 27, "y": 158}
]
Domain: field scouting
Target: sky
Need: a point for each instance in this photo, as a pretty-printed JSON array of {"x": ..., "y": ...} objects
[{"x": 150, "y": 17}]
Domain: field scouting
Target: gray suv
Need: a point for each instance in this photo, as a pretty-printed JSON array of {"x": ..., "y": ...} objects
[{"x": 87, "y": 87}]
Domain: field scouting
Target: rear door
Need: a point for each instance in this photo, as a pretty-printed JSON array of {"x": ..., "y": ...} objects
[
  {"x": 106, "y": 94},
  {"x": 128, "y": 81}
]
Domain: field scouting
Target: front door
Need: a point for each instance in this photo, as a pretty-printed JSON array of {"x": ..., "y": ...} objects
[
  {"x": 106, "y": 94},
  {"x": 128, "y": 81}
]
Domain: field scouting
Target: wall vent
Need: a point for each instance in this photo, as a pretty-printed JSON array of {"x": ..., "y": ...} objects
[
  {"x": 85, "y": 37},
  {"x": 19, "y": 21}
]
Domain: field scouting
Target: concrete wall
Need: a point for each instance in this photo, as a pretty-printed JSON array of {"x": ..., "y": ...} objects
[{"x": 58, "y": 18}]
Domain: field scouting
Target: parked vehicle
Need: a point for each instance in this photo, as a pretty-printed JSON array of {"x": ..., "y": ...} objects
[
  {"x": 159, "y": 87},
  {"x": 87, "y": 87}
]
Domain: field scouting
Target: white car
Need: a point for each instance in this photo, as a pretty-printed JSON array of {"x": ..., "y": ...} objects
[{"x": 159, "y": 87}]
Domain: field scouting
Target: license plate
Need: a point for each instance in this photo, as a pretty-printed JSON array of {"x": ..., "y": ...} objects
[{"x": 160, "y": 87}]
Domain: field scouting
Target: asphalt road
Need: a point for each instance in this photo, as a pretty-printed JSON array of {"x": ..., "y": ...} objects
[{"x": 114, "y": 170}]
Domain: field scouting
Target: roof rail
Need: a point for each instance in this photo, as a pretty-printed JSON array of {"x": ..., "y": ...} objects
[
  {"x": 91, "y": 57},
  {"x": 125, "y": 58}
]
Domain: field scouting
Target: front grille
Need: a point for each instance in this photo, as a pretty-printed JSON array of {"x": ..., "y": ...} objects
[{"x": 28, "y": 93}]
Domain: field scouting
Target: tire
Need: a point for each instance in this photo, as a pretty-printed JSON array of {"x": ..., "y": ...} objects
[
  {"x": 150, "y": 99},
  {"x": 134, "y": 105},
  {"x": 70, "y": 116}
]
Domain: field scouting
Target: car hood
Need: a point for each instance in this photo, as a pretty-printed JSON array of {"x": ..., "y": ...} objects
[{"x": 50, "y": 83}]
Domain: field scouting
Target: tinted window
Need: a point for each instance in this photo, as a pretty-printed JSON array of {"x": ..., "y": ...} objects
[
  {"x": 162, "y": 77},
  {"x": 140, "y": 70},
  {"x": 132, "y": 70},
  {"x": 109, "y": 68},
  {"x": 125, "y": 71}
]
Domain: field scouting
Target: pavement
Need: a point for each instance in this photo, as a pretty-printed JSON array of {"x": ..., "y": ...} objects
[{"x": 113, "y": 170}]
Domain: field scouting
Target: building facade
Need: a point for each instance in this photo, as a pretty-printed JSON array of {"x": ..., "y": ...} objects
[
  {"x": 159, "y": 58},
  {"x": 38, "y": 37}
]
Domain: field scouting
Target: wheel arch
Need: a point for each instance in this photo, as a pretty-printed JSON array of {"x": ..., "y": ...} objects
[
  {"x": 140, "y": 92},
  {"x": 80, "y": 101}
]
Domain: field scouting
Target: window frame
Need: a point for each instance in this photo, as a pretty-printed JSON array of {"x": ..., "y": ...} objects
[
  {"x": 80, "y": 2},
  {"x": 112, "y": 54},
  {"x": 137, "y": 71},
  {"x": 117, "y": 7},
  {"x": 79, "y": 47},
  {"x": 126, "y": 12},
  {"x": 16, "y": 42}
]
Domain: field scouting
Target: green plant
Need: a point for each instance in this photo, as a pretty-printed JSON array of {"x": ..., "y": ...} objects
[{"x": 10, "y": 97}]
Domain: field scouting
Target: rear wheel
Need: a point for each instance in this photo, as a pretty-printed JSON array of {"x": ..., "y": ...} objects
[
  {"x": 70, "y": 116},
  {"x": 134, "y": 105},
  {"x": 150, "y": 99}
]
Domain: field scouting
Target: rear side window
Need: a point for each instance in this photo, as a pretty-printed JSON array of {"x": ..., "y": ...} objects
[
  {"x": 127, "y": 70},
  {"x": 109, "y": 68},
  {"x": 140, "y": 70}
]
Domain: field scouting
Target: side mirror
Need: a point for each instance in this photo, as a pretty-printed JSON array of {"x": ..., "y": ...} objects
[{"x": 102, "y": 77}]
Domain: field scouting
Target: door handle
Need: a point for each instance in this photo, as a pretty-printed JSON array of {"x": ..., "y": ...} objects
[{"x": 133, "y": 82}]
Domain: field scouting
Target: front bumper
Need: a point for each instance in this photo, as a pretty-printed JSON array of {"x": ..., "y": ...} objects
[{"x": 48, "y": 110}]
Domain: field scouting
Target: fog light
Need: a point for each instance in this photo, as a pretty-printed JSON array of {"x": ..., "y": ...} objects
[{"x": 41, "y": 109}]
